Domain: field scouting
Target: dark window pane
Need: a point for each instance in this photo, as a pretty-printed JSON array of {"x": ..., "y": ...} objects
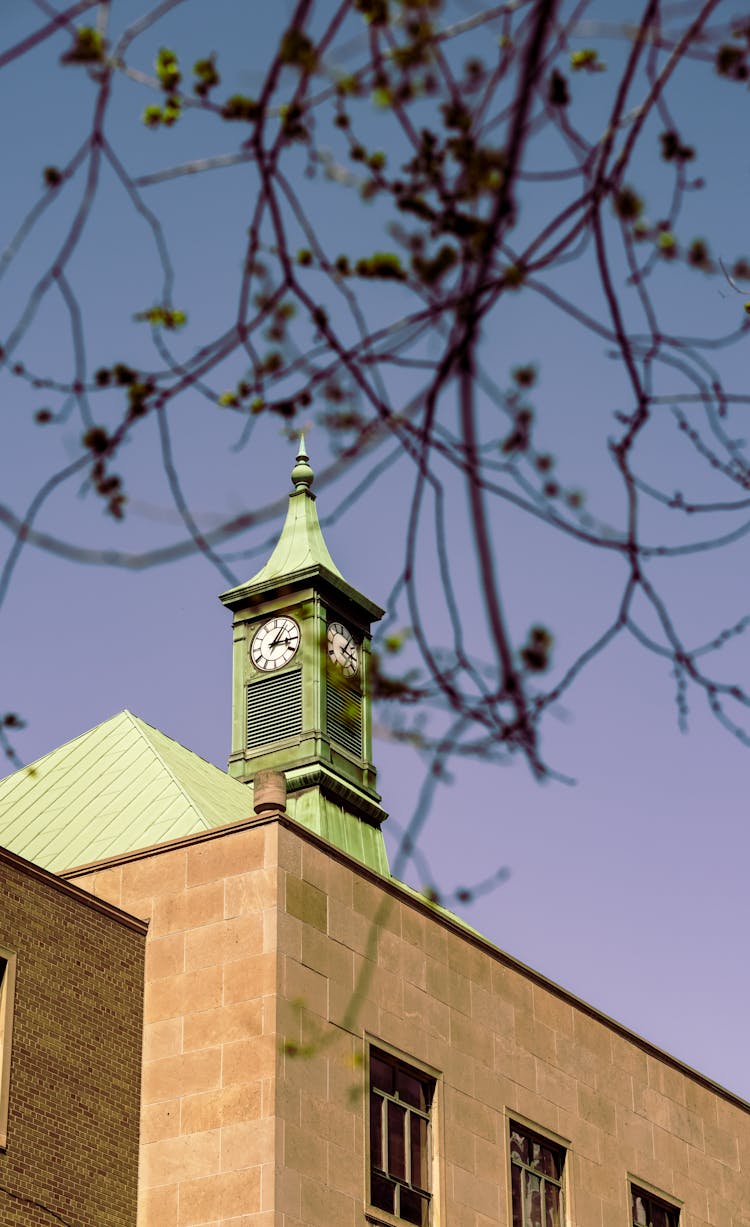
[
  {"x": 533, "y": 1200},
  {"x": 397, "y": 1141},
  {"x": 519, "y": 1146},
  {"x": 376, "y": 1132},
  {"x": 536, "y": 1174},
  {"x": 650, "y": 1212},
  {"x": 516, "y": 1176},
  {"x": 381, "y": 1192},
  {"x": 419, "y": 1168},
  {"x": 639, "y": 1211},
  {"x": 400, "y": 1100},
  {"x": 552, "y": 1205},
  {"x": 413, "y": 1207},
  {"x": 544, "y": 1159},
  {"x": 411, "y": 1089},
  {"x": 381, "y": 1074}
]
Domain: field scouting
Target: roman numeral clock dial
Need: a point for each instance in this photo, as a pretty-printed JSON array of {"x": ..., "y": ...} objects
[
  {"x": 343, "y": 649},
  {"x": 275, "y": 644}
]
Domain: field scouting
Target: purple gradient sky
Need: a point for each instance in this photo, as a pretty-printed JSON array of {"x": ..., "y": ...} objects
[{"x": 629, "y": 887}]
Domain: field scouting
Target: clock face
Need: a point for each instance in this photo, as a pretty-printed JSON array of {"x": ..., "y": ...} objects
[
  {"x": 343, "y": 649},
  {"x": 274, "y": 645}
]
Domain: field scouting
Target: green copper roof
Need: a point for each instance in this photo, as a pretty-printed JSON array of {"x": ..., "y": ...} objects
[
  {"x": 119, "y": 787},
  {"x": 301, "y": 553},
  {"x": 124, "y": 785},
  {"x": 345, "y": 831},
  {"x": 301, "y": 544}
]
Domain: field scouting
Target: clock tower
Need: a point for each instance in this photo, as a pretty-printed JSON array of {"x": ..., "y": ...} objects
[{"x": 301, "y": 702}]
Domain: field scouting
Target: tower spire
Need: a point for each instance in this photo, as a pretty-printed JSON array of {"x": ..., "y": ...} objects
[
  {"x": 302, "y": 474},
  {"x": 301, "y": 681},
  {"x": 301, "y": 544}
]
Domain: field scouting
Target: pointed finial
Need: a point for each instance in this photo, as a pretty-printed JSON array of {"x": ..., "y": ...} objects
[{"x": 302, "y": 475}]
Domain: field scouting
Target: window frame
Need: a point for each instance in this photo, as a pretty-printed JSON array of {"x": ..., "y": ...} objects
[
  {"x": 554, "y": 1142},
  {"x": 7, "y": 1001},
  {"x": 433, "y": 1116},
  {"x": 654, "y": 1195}
]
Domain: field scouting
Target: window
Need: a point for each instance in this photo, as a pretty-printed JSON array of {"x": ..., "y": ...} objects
[
  {"x": 7, "y": 984},
  {"x": 650, "y": 1211},
  {"x": 400, "y": 1103},
  {"x": 536, "y": 1167}
]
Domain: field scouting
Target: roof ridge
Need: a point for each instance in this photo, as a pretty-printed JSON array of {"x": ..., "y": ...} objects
[{"x": 28, "y": 768}]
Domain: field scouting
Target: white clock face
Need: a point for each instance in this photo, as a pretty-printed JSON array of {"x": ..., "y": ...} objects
[
  {"x": 343, "y": 649},
  {"x": 275, "y": 643}
]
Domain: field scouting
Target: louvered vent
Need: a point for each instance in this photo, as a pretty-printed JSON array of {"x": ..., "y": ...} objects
[
  {"x": 344, "y": 716},
  {"x": 274, "y": 708}
]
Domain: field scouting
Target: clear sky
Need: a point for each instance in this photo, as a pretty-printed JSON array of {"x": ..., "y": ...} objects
[{"x": 627, "y": 885}]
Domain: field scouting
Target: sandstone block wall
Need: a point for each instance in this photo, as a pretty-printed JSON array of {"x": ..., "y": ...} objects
[
  {"x": 358, "y": 964},
  {"x": 272, "y": 962},
  {"x": 208, "y": 1120}
]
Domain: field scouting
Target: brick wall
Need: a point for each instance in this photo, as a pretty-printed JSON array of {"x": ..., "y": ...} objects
[{"x": 72, "y": 1138}]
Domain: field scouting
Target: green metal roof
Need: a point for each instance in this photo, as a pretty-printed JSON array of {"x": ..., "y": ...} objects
[
  {"x": 301, "y": 544},
  {"x": 300, "y": 554},
  {"x": 119, "y": 787},
  {"x": 124, "y": 785},
  {"x": 329, "y": 819}
]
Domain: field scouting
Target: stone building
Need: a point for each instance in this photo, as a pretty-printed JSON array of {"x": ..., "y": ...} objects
[
  {"x": 71, "y": 1021},
  {"x": 322, "y": 1046}
]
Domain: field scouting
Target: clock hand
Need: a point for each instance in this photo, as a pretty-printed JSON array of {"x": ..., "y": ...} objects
[{"x": 279, "y": 640}]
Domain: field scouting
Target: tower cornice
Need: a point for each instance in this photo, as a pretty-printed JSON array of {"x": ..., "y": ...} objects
[{"x": 317, "y": 575}]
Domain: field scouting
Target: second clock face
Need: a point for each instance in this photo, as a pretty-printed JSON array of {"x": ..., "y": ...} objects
[
  {"x": 343, "y": 649},
  {"x": 275, "y": 644}
]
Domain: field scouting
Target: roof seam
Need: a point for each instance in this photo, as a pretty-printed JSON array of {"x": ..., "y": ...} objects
[{"x": 141, "y": 726}]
